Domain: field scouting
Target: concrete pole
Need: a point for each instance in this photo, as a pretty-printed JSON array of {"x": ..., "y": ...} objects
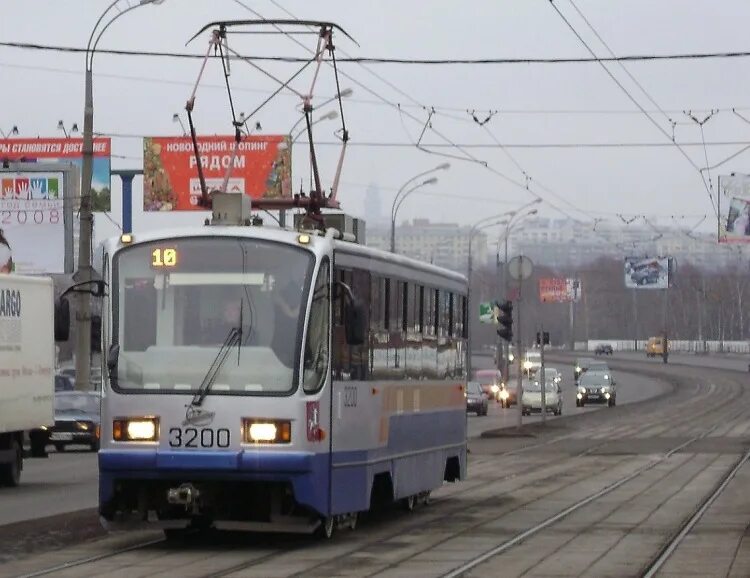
[
  {"x": 542, "y": 376},
  {"x": 519, "y": 356},
  {"x": 83, "y": 313}
]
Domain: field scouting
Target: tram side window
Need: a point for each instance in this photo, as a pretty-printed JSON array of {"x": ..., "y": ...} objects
[
  {"x": 377, "y": 303},
  {"x": 317, "y": 341},
  {"x": 395, "y": 308},
  {"x": 350, "y": 362},
  {"x": 451, "y": 315},
  {"x": 404, "y": 297}
]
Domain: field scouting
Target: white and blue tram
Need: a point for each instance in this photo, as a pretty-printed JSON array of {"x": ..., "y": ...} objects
[{"x": 269, "y": 379}]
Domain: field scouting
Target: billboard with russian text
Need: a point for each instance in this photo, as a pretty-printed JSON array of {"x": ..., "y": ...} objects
[
  {"x": 62, "y": 150},
  {"x": 559, "y": 290},
  {"x": 734, "y": 209},
  {"x": 261, "y": 168}
]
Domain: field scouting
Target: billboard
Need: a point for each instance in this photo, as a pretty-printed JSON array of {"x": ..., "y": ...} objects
[
  {"x": 647, "y": 272},
  {"x": 62, "y": 150},
  {"x": 32, "y": 222},
  {"x": 262, "y": 169},
  {"x": 734, "y": 209},
  {"x": 558, "y": 290}
]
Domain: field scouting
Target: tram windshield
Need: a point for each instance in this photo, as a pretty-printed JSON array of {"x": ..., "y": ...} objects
[{"x": 175, "y": 301}]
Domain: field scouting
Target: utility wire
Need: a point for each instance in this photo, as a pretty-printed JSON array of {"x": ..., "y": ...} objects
[
  {"x": 405, "y": 61},
  {"x": 638, "y": 104}
]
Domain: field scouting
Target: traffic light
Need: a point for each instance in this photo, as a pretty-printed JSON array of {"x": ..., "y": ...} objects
[
  {"x": 506, "y": 320},
  {"x": 542, "y": 336}
]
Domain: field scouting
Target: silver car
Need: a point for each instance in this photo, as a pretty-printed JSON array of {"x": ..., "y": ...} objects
[{"x": 532, "y": 397}]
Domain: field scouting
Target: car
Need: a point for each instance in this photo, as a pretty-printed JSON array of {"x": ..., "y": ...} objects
[
  {"x": 582, "y": 364},
  {"x": 63, "y": 383},
  {"x": 596, "y": 387},
  {"x": 532, "y": 362},
  {"x": 551, "y": 374},
  {"x": 598, "y": 367},
  {"x": 603, "y": 349},
  {"x": 645, "y": 275},
  {"x": 77, "y": 419},
  {"x": 508, "y": 394},
  {"x": 655, "y": 347},
  {"x": 532, "y": 397},
  {"x": 491, "y": 381},
  {"x": 476, "y": 398}
]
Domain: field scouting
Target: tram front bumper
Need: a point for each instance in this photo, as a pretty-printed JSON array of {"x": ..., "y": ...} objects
[{"x": 126, "y": 470}]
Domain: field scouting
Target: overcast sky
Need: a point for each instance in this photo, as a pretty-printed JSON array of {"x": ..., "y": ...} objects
[{"x": 535, "y": 103}]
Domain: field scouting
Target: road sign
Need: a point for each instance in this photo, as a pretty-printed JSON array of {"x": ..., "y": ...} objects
[
  {"x": 488, "y": 313},
  {"x": 520, "y": 267}
]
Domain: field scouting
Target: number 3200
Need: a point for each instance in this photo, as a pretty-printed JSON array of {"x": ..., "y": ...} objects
[{"x": 191, "y": 437}]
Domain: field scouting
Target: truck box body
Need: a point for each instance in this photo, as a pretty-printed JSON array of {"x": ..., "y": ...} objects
[{"x": 27, "y": 353}]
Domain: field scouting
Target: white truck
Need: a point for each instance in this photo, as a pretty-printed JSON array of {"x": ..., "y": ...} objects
[{"x": 27, "y": 368}]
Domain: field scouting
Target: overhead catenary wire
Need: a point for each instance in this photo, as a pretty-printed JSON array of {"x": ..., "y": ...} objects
[
  {"x": 636, "y": 103},
  {"x": 401, "y": 61}
]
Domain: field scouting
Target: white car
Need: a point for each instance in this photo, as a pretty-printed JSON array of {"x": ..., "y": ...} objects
[
  {"x": 532, "y": 362},
  {"x": 532, "y": 398}
]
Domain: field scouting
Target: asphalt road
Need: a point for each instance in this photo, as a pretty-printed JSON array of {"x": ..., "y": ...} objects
[
  {"x": 67, "y": 482},
  {"x": 646, "y": 488},
  {"x": 631, "y": 387}
]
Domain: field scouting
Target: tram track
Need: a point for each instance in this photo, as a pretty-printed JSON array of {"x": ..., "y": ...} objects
[{"x": 691, "y": 410}]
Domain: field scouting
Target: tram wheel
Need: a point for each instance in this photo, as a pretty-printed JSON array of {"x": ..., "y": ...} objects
[
  {"x": 409, "y": 503},
  {"x": 326, "y": 528}
]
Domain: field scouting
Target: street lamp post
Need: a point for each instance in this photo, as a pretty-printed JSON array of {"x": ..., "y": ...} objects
[
  {"x": 397, "y": 205},
  {"x": 501, "y": 219},
  {"x": 12, "y": 132},
  {"x": 177, "y": 118},
  {"x": 400, "y": 193},
  {"x": 73, "y": 129},
  {"x": 512, "y": 223},
  {"x": 83, "y": 316}
]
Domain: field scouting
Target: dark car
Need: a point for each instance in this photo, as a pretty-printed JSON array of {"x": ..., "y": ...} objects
[
  {"x": 476, "y": 398},
  {"x": 77, "y": 419},
  {"x": 645, "y": 276},
  {"x": 596, "y": 387},
  {"x": 63, "y": 383},
  {"x": 582, "y": 364},
  {"x": 604, "y": 349}
]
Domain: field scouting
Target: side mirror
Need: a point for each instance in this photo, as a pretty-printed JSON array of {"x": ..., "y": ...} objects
[
  {"x": 62, "y": 320},
  {"x": 96, "y": 333},
  {"x": 354, "y": 322},
  {"x": 113, "y": 358}
]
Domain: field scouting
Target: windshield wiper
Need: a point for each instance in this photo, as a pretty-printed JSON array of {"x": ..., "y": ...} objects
[{"x": 234, "y": 337}]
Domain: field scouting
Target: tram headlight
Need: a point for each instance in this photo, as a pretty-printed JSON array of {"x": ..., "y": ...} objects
[
  {"x": 504, "y": 394},
  {"x": 136, "y": 429},
  {"x": 495, "y": 388},
  {"x": 268, "y": 431},
  {"x": 527, "y": 365}
]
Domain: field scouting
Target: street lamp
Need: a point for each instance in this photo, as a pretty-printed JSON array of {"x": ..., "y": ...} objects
[
  {"x": 396, "y": 206},
  {"x": 177, "y": 118},
  {"x": 73, "y": 129},
  {"x": 83, "y": 344},
  {"x": 12, "y": 132},
  {"x": 256, "y": 126},
  {"x": 347, "y": 92},
  {"x": 398, "y": 198},
  {"x": 331, "y": 115}
]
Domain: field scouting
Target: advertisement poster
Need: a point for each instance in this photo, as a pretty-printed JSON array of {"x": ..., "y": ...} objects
[
  {"x": 32, "y": 228},
  {"x": 62, "y": 150},
  {"x": 734, "y": 209},
  {"x": 261, "y": 169},
  {"x": 559, "y": 290},
  {"x": 647, "y": 273}
]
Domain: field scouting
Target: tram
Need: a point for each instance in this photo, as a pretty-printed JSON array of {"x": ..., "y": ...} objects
[{"x": 263, "y": 378}]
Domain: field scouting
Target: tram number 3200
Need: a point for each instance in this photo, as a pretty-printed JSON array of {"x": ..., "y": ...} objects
[{"x": 191, "y": 437}]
